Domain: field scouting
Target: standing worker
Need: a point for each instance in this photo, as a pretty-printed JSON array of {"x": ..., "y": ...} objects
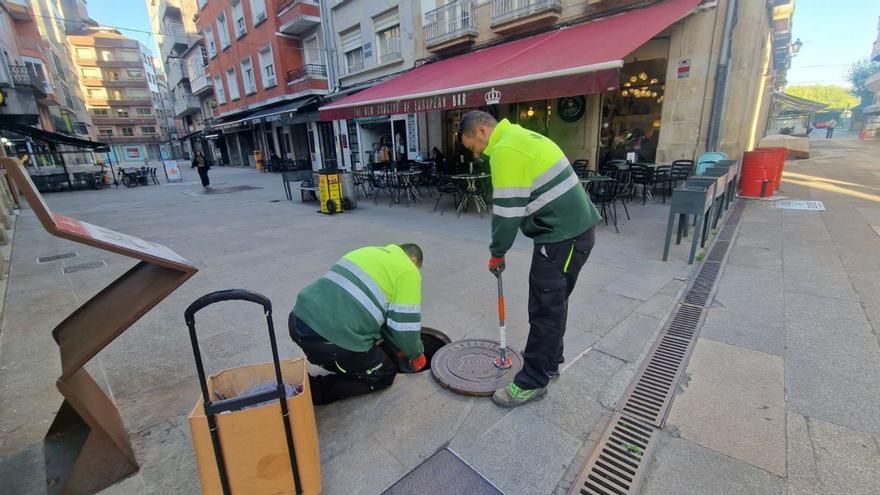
[
  {"x": 370, "y": 295},
  {"x": 202, "y": 166},
  {"x": 536, "y": 190},
  {"x": 829, "y": 128}
]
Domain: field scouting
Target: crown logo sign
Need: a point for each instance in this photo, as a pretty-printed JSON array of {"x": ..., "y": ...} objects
[{"x": 493, "y": 97}]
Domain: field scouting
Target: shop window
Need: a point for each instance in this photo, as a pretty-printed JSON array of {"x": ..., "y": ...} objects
[{"x": 631, "y": 116}]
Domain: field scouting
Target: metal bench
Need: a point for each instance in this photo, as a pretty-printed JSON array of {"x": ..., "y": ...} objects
[{"x": 304, "y": 182}]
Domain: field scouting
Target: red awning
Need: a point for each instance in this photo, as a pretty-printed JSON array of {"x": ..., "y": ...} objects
[{"x": 576, "y": 60}]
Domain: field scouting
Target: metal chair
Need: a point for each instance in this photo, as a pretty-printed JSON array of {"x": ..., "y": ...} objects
[{"x": 581, "y": 167}]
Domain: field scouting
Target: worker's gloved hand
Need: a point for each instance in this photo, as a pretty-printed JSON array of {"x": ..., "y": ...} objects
[
  {"x": 418, "y": 363},
  {"x": 496, "y": 265},
  {"x": 411, "y": 365}
]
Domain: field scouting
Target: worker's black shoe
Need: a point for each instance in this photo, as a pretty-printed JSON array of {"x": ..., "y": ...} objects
[
  {"x": 512, "y": 395},
  {"x": 553, "y": 375}
]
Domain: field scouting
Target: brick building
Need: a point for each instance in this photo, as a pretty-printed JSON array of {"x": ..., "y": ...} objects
[{"x": 264, "y": 85}]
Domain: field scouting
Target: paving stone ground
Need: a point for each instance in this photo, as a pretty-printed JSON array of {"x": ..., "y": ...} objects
[
  {"x": 250, "y": 239},
  {"x": 782, "y": 391}
]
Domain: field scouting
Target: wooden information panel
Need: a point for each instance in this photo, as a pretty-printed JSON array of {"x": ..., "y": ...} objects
[{"x": 87, "y": 448}]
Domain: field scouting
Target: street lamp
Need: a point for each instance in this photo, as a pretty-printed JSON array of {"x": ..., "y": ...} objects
[
  {"x": 796, "y": 47},
  {"x": 112, "y": 149}
]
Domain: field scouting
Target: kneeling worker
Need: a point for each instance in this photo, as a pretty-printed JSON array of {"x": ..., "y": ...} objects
[{"x": 370, "y": 295}]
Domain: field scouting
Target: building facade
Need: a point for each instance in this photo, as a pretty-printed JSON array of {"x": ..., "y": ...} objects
[
  {"x": 699, "y": 82},
  {"x": 264, "y": 80},
  {"x": 114, "y": 77},
  {"x": 872, "y": 111}
]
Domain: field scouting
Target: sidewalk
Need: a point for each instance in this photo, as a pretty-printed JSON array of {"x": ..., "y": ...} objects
[
  {"x": 246, "y": 239},
  {"x": 782, "y": 393}
]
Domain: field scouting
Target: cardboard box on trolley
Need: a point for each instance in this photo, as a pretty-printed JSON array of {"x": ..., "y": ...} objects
[{"x": 253, "y": 439}]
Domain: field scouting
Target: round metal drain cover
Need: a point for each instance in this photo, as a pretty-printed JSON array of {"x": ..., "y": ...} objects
[{"x": 468, "y": 367}]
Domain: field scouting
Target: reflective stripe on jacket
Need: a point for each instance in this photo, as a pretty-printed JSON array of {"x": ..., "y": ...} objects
[
  {"x": 370, "y": 294},
  {"x": 534, "y": 189}
]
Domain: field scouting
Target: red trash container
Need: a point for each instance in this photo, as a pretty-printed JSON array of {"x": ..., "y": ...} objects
[
  {"x": 758, "y": 167},
  {"x": 781, "y": 154}
]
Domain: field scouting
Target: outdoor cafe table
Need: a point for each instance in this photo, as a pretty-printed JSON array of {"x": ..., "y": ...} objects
[
  {"x": 471, "y": 192},
  {"x": 406, "y": 179}
]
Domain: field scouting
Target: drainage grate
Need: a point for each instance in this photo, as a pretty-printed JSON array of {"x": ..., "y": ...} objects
[
  {"x": 651, "y": 393},
  {"x": 83, "y": 266},
  {"x": 617, "y": 465},
  {"x": 800, "y": 205},
  {"x": 56, "y": 257}
]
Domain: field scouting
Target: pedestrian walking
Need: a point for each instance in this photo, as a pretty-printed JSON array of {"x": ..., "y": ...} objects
[
  {"x": 535, "y": 190},
  {"x": 829, "y": 130},
  {"x": 368, "y": 302},
  {"x": 202, "y": 166}
]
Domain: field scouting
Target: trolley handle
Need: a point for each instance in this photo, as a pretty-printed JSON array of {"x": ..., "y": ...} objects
[{"x": 225, "y": 295}]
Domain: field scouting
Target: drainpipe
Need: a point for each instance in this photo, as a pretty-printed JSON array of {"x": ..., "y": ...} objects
[
  {"x": 721, "y": 74},
  {"x": 329, "y": 45}
]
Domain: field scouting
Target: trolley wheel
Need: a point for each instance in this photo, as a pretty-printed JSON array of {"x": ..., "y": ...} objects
[{"x": 331, "y": 206}]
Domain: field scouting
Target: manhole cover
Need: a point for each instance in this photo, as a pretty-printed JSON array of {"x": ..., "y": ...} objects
[{"x": 468, "y": 367}]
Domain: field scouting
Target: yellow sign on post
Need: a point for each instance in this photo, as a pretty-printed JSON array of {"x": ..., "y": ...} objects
[
  {"x": 330, "y": 193},
  {"x": 258, "y": 160}
]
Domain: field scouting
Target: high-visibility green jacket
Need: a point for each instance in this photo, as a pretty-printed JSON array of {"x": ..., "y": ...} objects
[
  {"x": 534, "y": 189},
  {"x": 370, "y": 294}
]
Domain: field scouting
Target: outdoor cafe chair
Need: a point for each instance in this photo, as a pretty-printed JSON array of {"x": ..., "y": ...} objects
[
  {"x": 662, "y": 175},
  {"x": 580, "y": 167},
  {"x": 642, "y": 175}
]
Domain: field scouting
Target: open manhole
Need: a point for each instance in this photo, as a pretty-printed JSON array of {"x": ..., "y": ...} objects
[
  {"x": 468, "y": 367},
  {"x": 432, "y": 340}
]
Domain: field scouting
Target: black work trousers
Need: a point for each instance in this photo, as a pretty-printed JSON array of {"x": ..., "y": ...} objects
[
  {"x": 203, "y": 174},
  {"x": 554, "y": 272},
  {"x": 353, "y": 373}
]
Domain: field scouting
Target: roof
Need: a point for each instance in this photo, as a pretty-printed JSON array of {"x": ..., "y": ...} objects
[{"x": 576, "y": 60}]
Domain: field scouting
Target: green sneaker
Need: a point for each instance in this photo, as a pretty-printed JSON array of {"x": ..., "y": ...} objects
[{"x": 512, "y": 395}]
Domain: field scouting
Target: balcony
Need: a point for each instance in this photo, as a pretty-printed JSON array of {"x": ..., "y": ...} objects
[
  {"x": 297, "y": 17},
  {"x": 186, "y": 105},
  {"x": 201, "y": 85},
  {"x": 18, "y": 9},
  {"x": 176, "y": 33},
  {"x": 451, "y": 26},
  {"x": 124, "y": 120},
  {"x": 873, "y": 82},
  {"x": 118, "y": 83},
  {"x": 177, "y": 72},
  {"x": 510, "y": 16},
  {"x": 119, "y": 102},
  {"x": 309, "y": 77},
  {"x": 21, "y": 76},
  {"x": 109, "y": 64}
]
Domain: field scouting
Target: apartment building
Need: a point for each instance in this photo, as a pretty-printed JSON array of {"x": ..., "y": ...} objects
[
  {"x": 175, "y": 21},
  {"x": 113, "y": 73},
  {"x": 606, "y": 79},
  {"x": 373, "y": 41},
  {"x": 264, "y": 63},
  {"x": 24, "y": 79},
  {"x": 872, "y": 110}
]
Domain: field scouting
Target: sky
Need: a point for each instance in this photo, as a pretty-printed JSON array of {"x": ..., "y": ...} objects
[
  {"x": 835, "y": 33},
  {"x": 131, "y": 14}
]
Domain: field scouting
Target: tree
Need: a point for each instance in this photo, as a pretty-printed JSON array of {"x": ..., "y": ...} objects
[
  {"x": 836, "y": 97},
  {"x": 859, "y": 72}
]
